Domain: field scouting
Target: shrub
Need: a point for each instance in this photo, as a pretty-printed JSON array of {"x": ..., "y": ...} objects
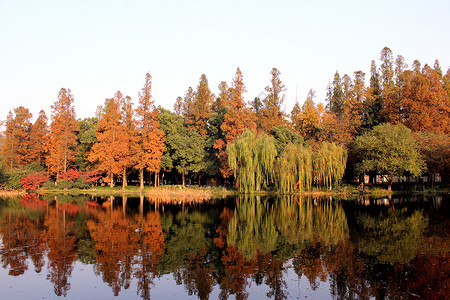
[
  {"x": 33, "y": 181},
  {"x": 70, "y": 175}
]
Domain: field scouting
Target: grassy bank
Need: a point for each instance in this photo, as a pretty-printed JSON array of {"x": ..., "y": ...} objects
[{"x": 202, "y": 193}]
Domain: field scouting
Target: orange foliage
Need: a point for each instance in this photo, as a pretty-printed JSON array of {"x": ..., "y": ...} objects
[
  {"x": 16, "y": 144},
  {"x": 199, "y": 111},
  {"x": 237, "y": 118},
  {"x": 38, "y": 139},
  {"x": 420, "y": 101},
  {"x": 60, "y": 235},
  {"x": 271, "y": 114},
  {"x": 63, "y": 138},
  {"x": 112, "y": 150},
  {"x": 150, "y": 137},
  {"x": 21, "y": 239},
  {"x": 69, "y": 208}
]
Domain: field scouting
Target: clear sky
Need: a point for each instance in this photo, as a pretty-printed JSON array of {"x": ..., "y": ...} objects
[{"x": 96, "y": 48}]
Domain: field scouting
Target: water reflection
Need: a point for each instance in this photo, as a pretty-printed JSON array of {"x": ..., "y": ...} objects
[{"x": 356, "y": 249}]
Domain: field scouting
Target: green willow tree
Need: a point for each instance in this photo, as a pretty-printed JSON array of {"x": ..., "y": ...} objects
[
  {"x": 329, "y": 164},
  {"x": 251, "y": 158},
  {"x": 294, "y": 168}
]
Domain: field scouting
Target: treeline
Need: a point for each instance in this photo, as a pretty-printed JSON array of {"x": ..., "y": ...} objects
[{"x": 224, "y": 139}]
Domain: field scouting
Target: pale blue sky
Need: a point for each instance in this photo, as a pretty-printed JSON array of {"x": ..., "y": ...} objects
[{"x": 98, "y": 47}]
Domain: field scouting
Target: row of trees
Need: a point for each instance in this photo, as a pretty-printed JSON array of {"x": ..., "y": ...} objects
[{"x": 198, "y": 138}]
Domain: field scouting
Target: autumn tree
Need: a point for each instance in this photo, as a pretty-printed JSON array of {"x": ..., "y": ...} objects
[
  {"x": 221, "y": 102},
  {"x": 16, "y": 144},
  {"x": 426, "y": 105},
  {"x": 200, "y": 108},
  {"x": 307, "y": 122},
  {"x": 150, "y": 136},
  {"x": 237, "y": 117},
  {"x": 342, "y": 120},
  {"x": 38, "y": 139},
  {"x": 435, "y": 149},
  {"x": 272, "y": 113},
  {"x": 112, "y": 150},
  {"x": 393, "y": 100},
  {"x": 131, "y": 133},
  {"x": 63, "y": 134}
]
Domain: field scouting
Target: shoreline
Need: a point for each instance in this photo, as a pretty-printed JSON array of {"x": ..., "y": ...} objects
[{"x": 207, "y": 193}]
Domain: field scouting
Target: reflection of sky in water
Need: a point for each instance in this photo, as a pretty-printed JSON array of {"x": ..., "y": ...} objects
[{"x": 84, "y": 284}]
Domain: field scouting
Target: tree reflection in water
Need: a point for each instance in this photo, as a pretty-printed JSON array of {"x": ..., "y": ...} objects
[{"x": 233, "y": 248}]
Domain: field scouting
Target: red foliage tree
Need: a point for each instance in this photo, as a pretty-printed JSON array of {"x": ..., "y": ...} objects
[
  {"x": 70, "y": 175},
  {"x": 33, "y": 181}
]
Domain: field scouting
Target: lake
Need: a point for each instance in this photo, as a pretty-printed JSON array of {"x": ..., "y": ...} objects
[{"x": 250, "y": 247}]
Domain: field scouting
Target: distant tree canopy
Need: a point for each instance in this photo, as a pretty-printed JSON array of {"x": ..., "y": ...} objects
[
  {"x": 312, "y": 142},
  {"x": 389, "y": 150}
]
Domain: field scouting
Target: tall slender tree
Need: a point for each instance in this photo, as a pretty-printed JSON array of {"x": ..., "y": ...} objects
[
  {"x": 309, "y": 118},
  {"x": 112, "y": 149},
  {"x": 131, "y": 132},
  {"x": 16, "y": 145},
  {"x": 38, "y": 139},
  {"x": 373, "y": 105},
  {"x": 336, "y": 102},
  {"x": 271, "y": 113},
  {"x": 63, "y": 134},
  {"x": 237, "y": 117},
  {"x": 200, "y": 108},
  {"x": 151, "y": 137}
]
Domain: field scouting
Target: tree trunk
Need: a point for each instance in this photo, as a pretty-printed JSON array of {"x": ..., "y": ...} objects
[
  {"x": 141, "y": 178},
  {"x": 156, "y": 179},
  {"x": 182, "y": 178},
  {"x": 111, "y": 183},
  {"x": 124, "y": 181}
]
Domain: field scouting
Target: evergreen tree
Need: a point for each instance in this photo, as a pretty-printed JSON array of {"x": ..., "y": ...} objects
[
  {"x": 373, "y": 104},
  {"x": 87, "y": 129}
]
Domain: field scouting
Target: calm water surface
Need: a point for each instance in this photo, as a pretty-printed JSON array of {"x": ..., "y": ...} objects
[{"x": 247, "y": 248}]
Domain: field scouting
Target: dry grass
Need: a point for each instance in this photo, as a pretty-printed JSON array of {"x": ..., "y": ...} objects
[
  {"x": 178, "y": 195},
  {"x": 11, "y": 193}
]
